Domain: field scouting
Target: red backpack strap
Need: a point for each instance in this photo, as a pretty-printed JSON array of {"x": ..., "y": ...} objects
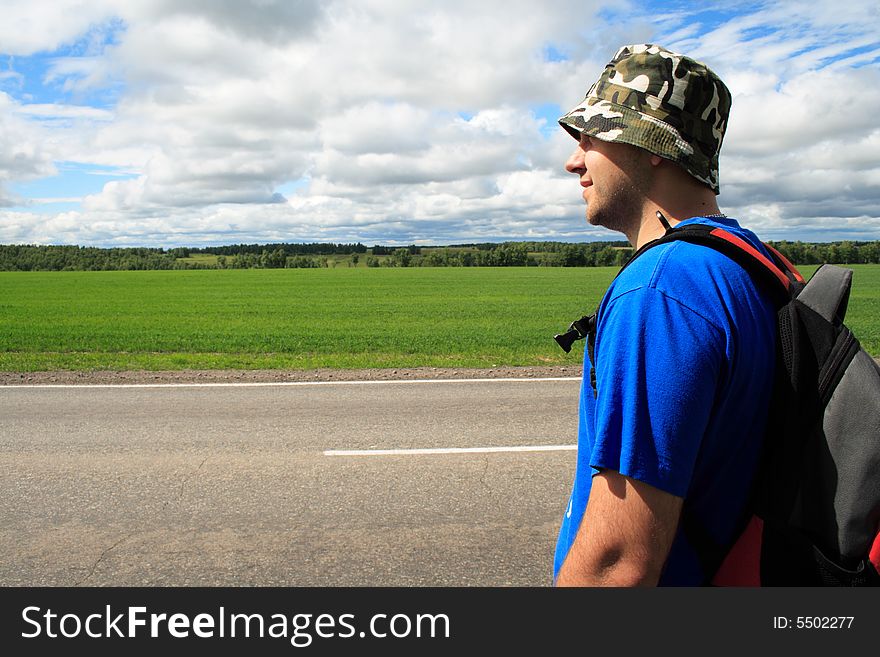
[
  {"x": 874, "y": 554},
  {"x": 781, "y": 259}
]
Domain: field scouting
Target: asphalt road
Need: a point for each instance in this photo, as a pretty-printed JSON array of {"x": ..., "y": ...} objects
[{"x": 231, "y": 485}]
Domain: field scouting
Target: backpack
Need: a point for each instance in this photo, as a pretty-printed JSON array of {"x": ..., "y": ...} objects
[{"x": 814, "y": 513}]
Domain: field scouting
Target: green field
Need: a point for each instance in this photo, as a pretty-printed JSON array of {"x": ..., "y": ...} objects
[{"x": 315, "y": 318}]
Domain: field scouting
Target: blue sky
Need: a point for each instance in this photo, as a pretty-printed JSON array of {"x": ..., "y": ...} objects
[{"x": 166, "y": 124}]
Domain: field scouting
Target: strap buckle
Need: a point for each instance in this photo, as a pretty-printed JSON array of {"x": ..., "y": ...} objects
[{"x": 578, "y": 330}]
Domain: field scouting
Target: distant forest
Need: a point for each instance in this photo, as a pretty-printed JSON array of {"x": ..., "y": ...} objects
[{"x": 279, "y": 256}]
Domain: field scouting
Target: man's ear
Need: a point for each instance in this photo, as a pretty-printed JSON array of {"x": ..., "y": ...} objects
[{"x": 655, "y": 160}]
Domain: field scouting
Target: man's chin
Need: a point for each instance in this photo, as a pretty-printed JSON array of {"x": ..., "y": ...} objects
[{"x": 603, "y": 221}]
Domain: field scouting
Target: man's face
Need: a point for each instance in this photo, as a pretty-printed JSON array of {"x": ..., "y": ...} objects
[{"x": 615, "y": 178}]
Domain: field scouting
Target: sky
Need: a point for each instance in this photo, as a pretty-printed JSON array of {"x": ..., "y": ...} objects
[{"x": 170, "y": 123}]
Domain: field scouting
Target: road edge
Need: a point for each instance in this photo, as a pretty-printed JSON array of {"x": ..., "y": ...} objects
[{"x": 140, "y": 377}]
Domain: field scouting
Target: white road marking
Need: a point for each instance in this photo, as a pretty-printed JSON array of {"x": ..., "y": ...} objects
[
  {"x": 449, "y": 450},
  {"x": 278, "y": 383}
]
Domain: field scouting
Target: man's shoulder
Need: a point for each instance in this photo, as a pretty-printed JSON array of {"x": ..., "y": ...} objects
[
  {"x": 684, "y": 270},
  {"x": 677, "y": 269},
  {"x": 698, "y": 277}
]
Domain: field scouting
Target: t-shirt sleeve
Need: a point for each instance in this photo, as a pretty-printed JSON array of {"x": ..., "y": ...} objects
[{"x": 657, "y": 368}]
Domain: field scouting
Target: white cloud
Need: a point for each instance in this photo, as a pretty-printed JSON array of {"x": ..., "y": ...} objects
[
  {"x": 409, "y": 121},
  {"x": 23, "y": 154},
  {"x": 272, "y": 21},
  {"x": 816, "y": 106},
  {"x": 365, "y": 95},
  {"x": 799, "y": 158},
  {"x": 808, "y": 148},
  {"x": 58, "y": 111},
  {"x": 30, "y": 27}
]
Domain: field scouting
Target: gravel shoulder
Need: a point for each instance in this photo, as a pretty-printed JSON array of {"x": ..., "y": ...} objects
[{"x": 280, "y": 376}]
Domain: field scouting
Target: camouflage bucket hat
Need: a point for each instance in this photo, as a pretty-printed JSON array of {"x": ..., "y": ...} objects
[{"x": 666, "y": 103}]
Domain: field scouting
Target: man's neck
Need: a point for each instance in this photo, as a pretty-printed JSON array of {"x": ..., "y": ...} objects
[
  {"x": 650, "y": 227},
  {"x": 675, "y": 193}
]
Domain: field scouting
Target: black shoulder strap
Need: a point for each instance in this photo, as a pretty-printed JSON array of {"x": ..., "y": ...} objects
[{"x": 775, "y": 274}]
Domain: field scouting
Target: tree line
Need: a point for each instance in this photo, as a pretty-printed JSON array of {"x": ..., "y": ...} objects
[
  {"x": 279, "y": 256},
  {"x": 317, "y": 248}
]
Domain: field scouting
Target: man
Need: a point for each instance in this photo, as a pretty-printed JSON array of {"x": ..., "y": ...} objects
[{"x": 685, "y": 342}]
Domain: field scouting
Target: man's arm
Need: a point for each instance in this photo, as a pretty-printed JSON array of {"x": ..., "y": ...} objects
[{"x": 625, "y": 535}]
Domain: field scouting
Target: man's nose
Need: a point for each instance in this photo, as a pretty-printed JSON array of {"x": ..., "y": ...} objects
[{"x": 575, "y": 162}]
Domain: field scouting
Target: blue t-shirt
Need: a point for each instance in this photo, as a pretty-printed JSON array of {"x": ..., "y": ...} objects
[{"x": 684, "y": 353}]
